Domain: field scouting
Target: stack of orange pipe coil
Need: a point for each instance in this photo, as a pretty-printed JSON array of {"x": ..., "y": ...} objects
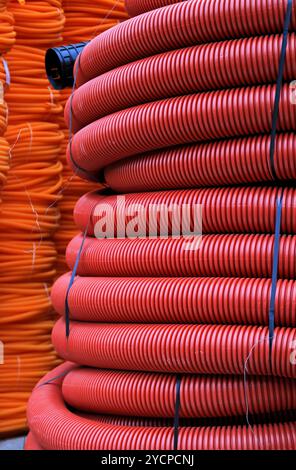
[
  {"x": 29, "y": 213},
  {"x": 85, "y": 19},
  {"x": 4, "y": 146},
  {"x": 7, "y": 31}
]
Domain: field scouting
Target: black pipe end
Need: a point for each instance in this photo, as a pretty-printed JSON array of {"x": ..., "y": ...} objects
[{"x": 59, "y": 64}]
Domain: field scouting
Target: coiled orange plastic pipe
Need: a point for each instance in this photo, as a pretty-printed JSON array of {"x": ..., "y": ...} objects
[{"x": 29, "y": 215}]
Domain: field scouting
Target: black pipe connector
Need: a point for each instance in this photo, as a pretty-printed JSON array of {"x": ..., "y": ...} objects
[{"x": 59, "y": 64}]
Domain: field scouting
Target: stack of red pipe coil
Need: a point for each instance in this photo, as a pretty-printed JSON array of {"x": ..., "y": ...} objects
[{"x": 169, "y": 101}]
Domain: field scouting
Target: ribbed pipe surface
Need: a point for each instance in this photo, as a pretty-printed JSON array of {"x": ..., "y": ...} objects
[
  {"x": 192, "y": 23},
  {"x": 222, "y": 210},
  {"x": 181, "y": 120},
  {"x": 211, "y": 256},
  {"x": 136, "y": 7},
  {"x": 184, "y": 71},
  {"x": 154, "y": 395},
  {"x": 237, "y": 161},
  {"x": 56, "y": 428},
  {"x": 188, "y": 349}
]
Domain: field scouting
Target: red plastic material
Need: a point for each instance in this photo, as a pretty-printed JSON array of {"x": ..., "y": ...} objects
[
  {"x": 180, "y": 72},
  {"x": 192, "y": 349},
  {"x": 177, "y": 98},
  {"x": 181, "y": 120},
  {"x": 57, "y": 428},
  {"x": 216, "y": 256},
  {"x": 236, "y": 161},
  {"x": 214, "y": 210},
  {"x": 192, "y": 22},
  {"x": 31, "y": 443},
  {"x": 136, "y": 7},
  {"x": 175, "y": 300},
  {"x": 154, "y": 395}
]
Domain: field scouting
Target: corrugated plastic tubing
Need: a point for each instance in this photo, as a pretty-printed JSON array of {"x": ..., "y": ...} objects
[
  {"x": 198, "y": 68},
  {"x": 84, "y": 20},
  {"x": 29, "y": 214},
  {"x": 179, "y": 120},
  {"x": 154, "y": 395},
  {"x": 136, "y": 7},
  {"x": 4, "y": 162},
  {"x": 188, "y": 349},
  {"x": 237, "y": 161},
  {"x": 55, "y": 427},
  {"x": 175, "y": 300},
  {"x": 156, "y": 120},
  {"x": 224, "y": 210},
  {"x": 38, "y": 22},
  {"x": 213, "y": 256},
  {"x": 180, "y": 25},
  {"x": 7, "y": 32}
]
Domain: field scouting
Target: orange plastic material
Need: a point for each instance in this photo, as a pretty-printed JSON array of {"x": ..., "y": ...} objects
[
  {"x": 29, "y": 214},
  {"x": 38, "y": 22},
  {"x": 30, "y": 97},
  {"x": 7, "y": 32},
  {"x": 84, "y": 20},
  {"x": 4, "y": 163}
]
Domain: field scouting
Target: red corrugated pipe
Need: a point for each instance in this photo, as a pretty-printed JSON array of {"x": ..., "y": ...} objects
[
  {"x": 192, "y": 23},
  {"x": 136, "y": 7},
  {"x": 154, "y": 395},
  {"x": 180, "y": 72},
  {"x": 214, "y": 210},
  {"x": 237, "y": 161},
  {"x": 188, "y": 349},
  {"x": 217, "y": 256},
  {"x": 57, "y": 428},
  {"x": 175, "y": 300},
  {"x": 181, "y": 120}
]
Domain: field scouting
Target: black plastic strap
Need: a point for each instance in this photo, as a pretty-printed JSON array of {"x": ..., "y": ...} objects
[
  {"x": 279, "y": 86},
  {"x": 177, "y": 412},
  {"x": 277, "y": 236},
  {"x": 67, "y": 310}
]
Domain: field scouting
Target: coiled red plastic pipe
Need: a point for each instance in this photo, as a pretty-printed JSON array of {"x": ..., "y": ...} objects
[
  {"x": 136, "y": 7},
  {"x": 217, "y": 256},
  {"x": 155, "y": 110},
  {"x": 237, "y": 161},
  {"x": 180, "y": 120},
  {"x": 180, "y": 25},
  {"x": 55, "y": 427},
  {"x": 191, "y": 349},
  {"x": 175, "y": 300},
  {"x": 31, "y": 443},
  {"x": 214, "y": 210},
  {"x": 179, "y": 72},
  {"x": 140, "y": 394}
]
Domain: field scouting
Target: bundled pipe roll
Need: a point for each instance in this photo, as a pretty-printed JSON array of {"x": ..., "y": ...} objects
[
  {"x": 29, "y": 215},
  {"x": 175, "y": 108}
]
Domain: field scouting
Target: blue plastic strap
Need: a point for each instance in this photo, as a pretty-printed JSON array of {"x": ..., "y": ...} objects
[
  {"x": 279, "y": 86},
  {"x": 274, "y": 273},
  {"x": 67, "y": 310},
  {"x": 177, "y": 413},
  {"x": 7, "y": 72}
]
